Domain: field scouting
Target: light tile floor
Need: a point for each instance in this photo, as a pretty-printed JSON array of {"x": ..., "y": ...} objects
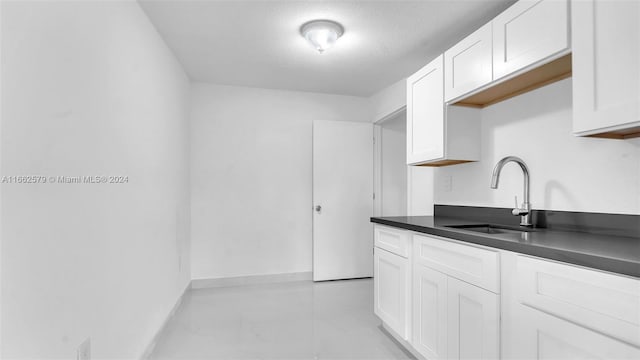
[{"x": 295, "y": 320}]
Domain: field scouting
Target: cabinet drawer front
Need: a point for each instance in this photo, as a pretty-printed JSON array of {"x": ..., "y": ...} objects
[
  {"x": 528, "y": 32},
  {"x": 476, "y": 266},
  {"x": 468, "y": 64},
  {"x": 393, "y": 240},
  {"x": 603, "y": 302}
]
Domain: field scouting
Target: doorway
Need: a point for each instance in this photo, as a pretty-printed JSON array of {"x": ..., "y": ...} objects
[
  {"x": 391, "y": 170},
  {"x": 400, "y": 190}
]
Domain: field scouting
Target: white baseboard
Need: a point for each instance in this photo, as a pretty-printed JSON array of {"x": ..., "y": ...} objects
[
  {"x": 250, "y": 280},
  {"x": 152, "y": 344},
  {"x": 223, "y": 282},
  {"x": 408, "y": 349}
]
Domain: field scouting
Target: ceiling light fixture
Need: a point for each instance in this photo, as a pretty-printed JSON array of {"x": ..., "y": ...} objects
[{"x": 321, "y": 34}]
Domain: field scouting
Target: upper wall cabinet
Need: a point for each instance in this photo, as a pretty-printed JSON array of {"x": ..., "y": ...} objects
[
  {"x": 468, "y": 64},
  {"x": 528, "y": 32},
  {"x": 438, "y": 135},
  {"x": 606, "y": 68},
  {"x": 524, "y": 48},
  {"x": 425, "y": 114}
]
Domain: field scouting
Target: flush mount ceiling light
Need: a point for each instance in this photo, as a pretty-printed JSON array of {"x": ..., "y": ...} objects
[{"x": 321, "y": 34}]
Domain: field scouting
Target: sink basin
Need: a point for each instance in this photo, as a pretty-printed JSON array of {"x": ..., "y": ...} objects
[{"x": 492, "y": 229}]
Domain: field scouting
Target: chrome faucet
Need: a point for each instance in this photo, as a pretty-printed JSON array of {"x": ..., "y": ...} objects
[{"x": 524, "y": 210}]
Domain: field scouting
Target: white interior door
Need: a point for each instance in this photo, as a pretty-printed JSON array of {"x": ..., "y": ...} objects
[{"x": 342, "y": 200}]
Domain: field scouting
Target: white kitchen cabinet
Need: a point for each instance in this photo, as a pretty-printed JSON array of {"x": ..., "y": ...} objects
[
  {"x": 438, "y": 135},
  {"x": 474, "y": 265},
  {"x": 603, "y": 302},
  {"x": 473, "y": 322},
  {"x": 606, "y": 70},
  {"x": 465, "y": 301},
  {"x": 425, "y": 114},
  {"x": 468, "y": 64},
  {"x": 429, "y": 312},
  {"x": 545, "y": 337},
  {"x": 453, "y": 319},
  {"x": 528, "y": 32},
  {"x": 392, "y": 284},
  {"x": 554, "y": 310},
  {"x": 393, "y": 240}
]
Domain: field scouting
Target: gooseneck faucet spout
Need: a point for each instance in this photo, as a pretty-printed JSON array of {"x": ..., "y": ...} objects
[{"x": 524, "y": 210}]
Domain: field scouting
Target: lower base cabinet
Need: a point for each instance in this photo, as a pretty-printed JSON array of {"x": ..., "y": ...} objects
[
  {"x": 447, "y": 300},
  {"x": 547, "y": 337},
  {"x": 453, "y": 319},
  {"x": 560, "y": 311},
  {"x": 391, "y": 291},
  {"x": 473, "y": 322},
  {"x": 429, "y": 312}
]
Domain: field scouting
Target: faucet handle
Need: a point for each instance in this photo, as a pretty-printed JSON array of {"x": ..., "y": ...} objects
[
  {"x": 516, "y": 199},
  {"x": 518, "y": 211}
]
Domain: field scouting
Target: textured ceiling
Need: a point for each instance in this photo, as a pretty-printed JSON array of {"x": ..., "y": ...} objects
[{"x": 258, "y": 44}]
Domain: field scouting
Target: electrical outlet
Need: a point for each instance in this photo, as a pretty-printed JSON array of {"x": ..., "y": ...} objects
[
  {"x": 447, "y": 184},
  {"x": 84, "y": 350}
]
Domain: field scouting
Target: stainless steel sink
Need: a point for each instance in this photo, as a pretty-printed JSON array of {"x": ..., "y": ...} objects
[{"x": 492, "y": 229}]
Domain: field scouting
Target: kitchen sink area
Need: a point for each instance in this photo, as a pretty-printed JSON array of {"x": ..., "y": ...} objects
[
  {"x": 602, "y": 241},
  {"x": 465, "y": 263}
]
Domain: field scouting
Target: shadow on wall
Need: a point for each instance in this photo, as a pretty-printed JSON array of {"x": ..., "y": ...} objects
[
  {"x": 553, "y": 190},
  {"x": 516, "y": 112},
  {"x": 506, "y": 129},
  {"x": 521, "y": 108},
  {"x": 568, "y": 173}
]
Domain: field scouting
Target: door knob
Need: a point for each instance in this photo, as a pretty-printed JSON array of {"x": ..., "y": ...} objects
[{"x": 318, "y": 208}]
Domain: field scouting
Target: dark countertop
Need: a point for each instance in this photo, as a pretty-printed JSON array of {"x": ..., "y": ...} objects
[{"x": 619, "y": 254}]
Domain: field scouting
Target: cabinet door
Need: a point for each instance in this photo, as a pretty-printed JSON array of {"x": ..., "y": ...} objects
[
  {"x": 473, "y": 322},
  {"x": 546, "y": 337},
  {"x": 425, "y": 114},
  {"x": 468, "y": 64},
  {"x": 429, "y": 312},
  {"x": 527, "y": 32},
  {"x": 606, "y": 75},
  {"x": 391, "y": 285}
]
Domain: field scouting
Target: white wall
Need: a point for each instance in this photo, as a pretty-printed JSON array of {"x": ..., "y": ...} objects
[
  {"x": 420, "y": 190},
  {"x": 251, "y": 177},
  {"x": 1, "y": 187},
  {"x": 567, "y": 172},
  {"x": 388, "y": 100},
  {"x": 89, "y": 88}
]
